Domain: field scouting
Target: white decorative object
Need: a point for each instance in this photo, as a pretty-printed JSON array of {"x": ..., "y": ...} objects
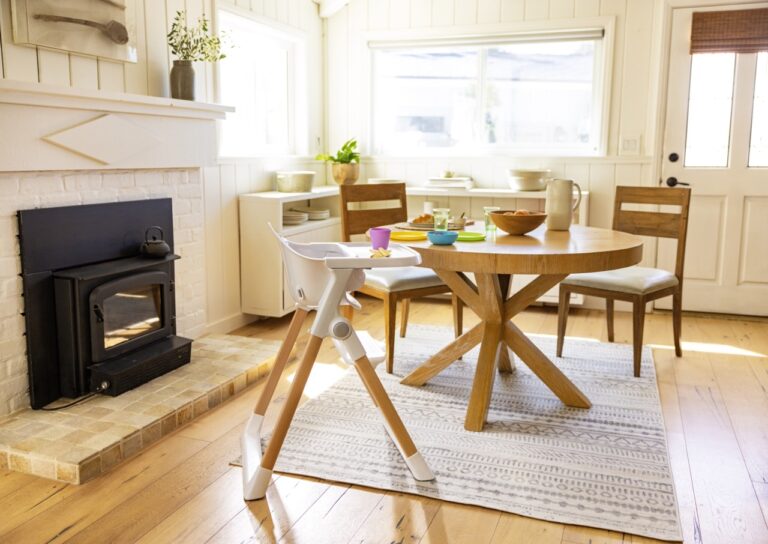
[
  {"x": 88, "y": 139},
  {"x": 559, "y": 205},
  {"x": 528, "y": 180},
  {"x": 456, "y": 182},
  {"x": 104, "y": 28}
]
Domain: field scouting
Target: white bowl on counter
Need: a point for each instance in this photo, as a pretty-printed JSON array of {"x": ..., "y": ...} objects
[
  {"x": 528, "y": 180},
  {"x": 294, "y": 181}
]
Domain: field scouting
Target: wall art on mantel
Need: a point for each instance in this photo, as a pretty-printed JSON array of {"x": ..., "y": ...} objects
[{"x": 101, "y": 28}]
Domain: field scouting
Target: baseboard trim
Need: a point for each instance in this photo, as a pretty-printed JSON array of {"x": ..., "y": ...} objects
[{"x": 230, "y": 323}]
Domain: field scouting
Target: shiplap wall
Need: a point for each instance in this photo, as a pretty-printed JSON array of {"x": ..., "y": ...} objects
[
  {"x": 632, "y": 96},
  {"x": 150, "y": 76},
  {"x": 232, "y": 177}
]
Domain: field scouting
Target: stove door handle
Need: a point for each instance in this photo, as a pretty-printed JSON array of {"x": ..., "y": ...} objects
[{"x": 99, "y": 313}]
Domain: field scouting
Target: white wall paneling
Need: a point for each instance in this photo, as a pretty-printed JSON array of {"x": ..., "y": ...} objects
[
  {"x": 235, "y": 176},
  {"x": 632, "y": 93}
]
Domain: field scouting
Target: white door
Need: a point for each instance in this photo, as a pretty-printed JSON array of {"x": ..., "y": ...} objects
[{"x": 716, "y": 140}]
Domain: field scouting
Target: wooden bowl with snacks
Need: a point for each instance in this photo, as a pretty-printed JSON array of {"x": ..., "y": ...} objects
[{"x": 517, "y": 222}]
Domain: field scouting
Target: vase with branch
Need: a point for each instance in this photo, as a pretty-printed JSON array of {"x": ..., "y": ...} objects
[{"x": 190, "y": 44}]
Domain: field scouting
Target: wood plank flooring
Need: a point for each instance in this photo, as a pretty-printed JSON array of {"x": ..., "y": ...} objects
[{"x": 715, "y": 402}]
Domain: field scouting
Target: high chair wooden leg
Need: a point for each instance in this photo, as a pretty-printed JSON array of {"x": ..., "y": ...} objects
[
  {"x": 394, "y": 424},
  {"x": 280, "y": 361},
  {"x": 291, "y": 403}
]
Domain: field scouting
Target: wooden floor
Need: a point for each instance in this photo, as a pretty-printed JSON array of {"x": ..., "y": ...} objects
[{"x": 182, "y": 489}]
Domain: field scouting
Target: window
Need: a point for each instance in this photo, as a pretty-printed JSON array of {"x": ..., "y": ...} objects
[
  {"x": 262, "y": 77},
  {"x": 532, "y": 93},
  {"x": 758, "y": 148},
  {"x": 710, "y": 99}
]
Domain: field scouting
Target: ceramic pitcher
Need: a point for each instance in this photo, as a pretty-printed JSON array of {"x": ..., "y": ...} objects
[{"x": 559, "y": 206}]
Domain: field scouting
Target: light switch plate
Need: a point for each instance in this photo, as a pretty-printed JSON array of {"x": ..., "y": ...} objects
[{"x": 629, "y": 144}]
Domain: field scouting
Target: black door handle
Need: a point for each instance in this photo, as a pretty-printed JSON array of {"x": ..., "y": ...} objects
[{"x": 672, "y": 181}]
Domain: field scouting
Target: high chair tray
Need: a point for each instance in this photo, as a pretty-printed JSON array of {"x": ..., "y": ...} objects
[{"x": 359, "y": 256}]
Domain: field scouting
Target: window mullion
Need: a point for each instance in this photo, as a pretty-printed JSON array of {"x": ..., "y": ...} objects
[{"x": 479, "y": 137}]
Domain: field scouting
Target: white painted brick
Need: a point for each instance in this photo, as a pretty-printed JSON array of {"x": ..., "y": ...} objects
[
  {"x": 9, "y": 206},
  {"x": 134, "y": 193},
  {"x": 10, "y": 287},
  {"x": 81, "y": 181},
  {"x": 17, "y": 366},
  {"x": 190, "y": 191},
  {"x": 18, "y": 402},
  {"x": 149, "y": 178},
  {"x": 99, "y": 196},
  {"x": 118, "y": 180},
  {"x": 9, "y": 267},
  {"x": 51, "y": 200},
  {"x": 9, "y": 185},
  {"x": 41, "y": 185},
  {"x": 182, "y": 207}
]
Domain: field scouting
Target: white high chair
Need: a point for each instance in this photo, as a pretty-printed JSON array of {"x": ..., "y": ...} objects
[{"x": 320, "y": 275}]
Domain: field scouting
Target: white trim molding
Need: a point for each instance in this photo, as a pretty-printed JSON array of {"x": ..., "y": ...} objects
[
  {"x": 59, "y": 128},
  {"x": 330, "y": 7}
]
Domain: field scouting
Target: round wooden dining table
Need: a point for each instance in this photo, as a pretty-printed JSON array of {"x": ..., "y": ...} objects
[{"x": 551, "y": 256}]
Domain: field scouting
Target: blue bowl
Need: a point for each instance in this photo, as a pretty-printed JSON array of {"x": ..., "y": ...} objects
[{"x": 442, "y": 237}]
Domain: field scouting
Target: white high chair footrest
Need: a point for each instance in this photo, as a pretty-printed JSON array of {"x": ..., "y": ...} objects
[
  {"x": 359, "y": 256},
  {"x": 255, "y": 478},
  {"x": 374, "y": 349}
]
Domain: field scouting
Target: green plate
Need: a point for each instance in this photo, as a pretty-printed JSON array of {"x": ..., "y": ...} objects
[{"x": 468, "y": 236}]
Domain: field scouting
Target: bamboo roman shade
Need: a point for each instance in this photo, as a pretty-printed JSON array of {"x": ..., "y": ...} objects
[{"x": 737, "y": 31}]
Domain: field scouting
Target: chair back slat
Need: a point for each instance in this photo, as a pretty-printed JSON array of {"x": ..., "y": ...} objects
[
  {"x": 666, "y": 225},
  {"x": 359, "y": 221},
  {"x": 659, "y": 224},
  {"x": 652, "y": 195}
]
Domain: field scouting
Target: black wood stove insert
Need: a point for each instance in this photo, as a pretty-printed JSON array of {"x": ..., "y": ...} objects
[{"x": 100, "y": 317}]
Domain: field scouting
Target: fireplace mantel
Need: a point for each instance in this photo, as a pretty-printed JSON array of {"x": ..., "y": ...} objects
[{"x": 45, "y": 127}]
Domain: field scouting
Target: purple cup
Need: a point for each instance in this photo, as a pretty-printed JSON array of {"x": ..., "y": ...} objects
[{"x": 380, "y": 237}]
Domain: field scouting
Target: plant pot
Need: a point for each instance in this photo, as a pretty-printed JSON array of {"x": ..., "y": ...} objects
[
  {"x": 183, "y": 80},
  {"x": 345, "y": 174}
]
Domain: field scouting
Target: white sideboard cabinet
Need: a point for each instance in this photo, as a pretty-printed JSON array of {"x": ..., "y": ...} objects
[{"x": 262, "y": 276}]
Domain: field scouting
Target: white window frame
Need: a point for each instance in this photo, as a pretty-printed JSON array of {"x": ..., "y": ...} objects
[
  {"x": 457, "y": 35},
  {"x": 298, "y": 89}
]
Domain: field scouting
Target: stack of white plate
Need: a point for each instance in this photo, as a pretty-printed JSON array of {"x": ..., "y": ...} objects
[
  {"x": 294, "y": 218},
  {"x": 314, "y": 214}
]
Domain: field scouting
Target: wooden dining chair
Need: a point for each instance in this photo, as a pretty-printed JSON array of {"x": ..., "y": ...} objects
[
  {"x": 390, "y": 285},
  {"x": 637, "y": 284}
]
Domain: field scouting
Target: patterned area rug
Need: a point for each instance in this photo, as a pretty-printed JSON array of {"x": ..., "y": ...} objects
[{"x": 605, "y": 467}]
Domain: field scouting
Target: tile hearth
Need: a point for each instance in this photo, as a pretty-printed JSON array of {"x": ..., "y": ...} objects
[{"x": 79, "y": 443}]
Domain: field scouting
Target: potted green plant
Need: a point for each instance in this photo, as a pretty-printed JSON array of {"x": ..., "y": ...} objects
[
  {"x": 188, "y": 45},
  {"x": 345, "y": 165}
]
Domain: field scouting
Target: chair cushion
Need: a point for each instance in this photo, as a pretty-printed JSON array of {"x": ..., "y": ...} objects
[
  {"x": 401, "y": 278},
  {"x": 634, "y": 279}
]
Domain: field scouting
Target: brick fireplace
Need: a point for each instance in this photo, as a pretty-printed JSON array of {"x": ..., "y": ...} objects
[{"x": 31, "y": 190}]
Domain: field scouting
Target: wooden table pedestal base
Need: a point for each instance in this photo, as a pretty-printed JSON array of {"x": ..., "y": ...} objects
[{"x": 495, "y": 333}]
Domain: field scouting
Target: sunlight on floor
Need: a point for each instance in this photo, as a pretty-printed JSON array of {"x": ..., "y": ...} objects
[
  {"x": 704, "y": 347},
  {"x": 700, "y": 347},
  {"x": 323, "y": 376}
]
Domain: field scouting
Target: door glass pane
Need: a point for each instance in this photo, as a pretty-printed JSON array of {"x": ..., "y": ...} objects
[
  {"x": 709, "y": 109},
  {"x": 758, "y": 147},
  {"x": 132, "y": 313}
]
